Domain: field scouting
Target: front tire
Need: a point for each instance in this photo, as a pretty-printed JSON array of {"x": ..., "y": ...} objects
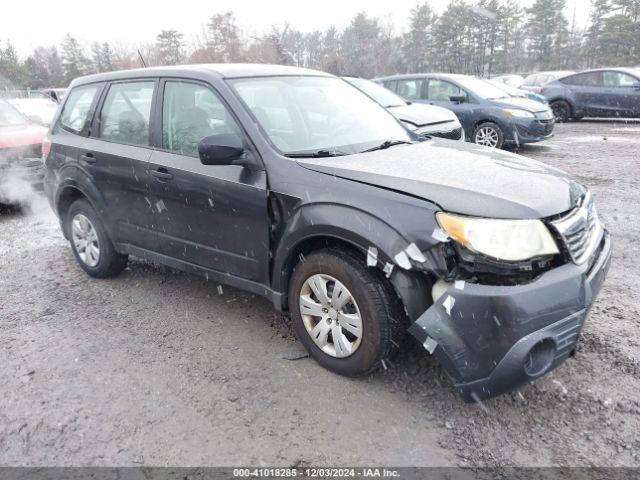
[
  {"x": 561, "y": 110},
  {"x": 488, "y": 134},
  {"x": 344, "y": 313},
  {"x": 90, "y": 243}
]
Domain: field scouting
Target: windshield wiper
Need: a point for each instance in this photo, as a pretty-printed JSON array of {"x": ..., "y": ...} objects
[
  {"x": 317, "y": 154},
  {"x": 386, "y": 144}
]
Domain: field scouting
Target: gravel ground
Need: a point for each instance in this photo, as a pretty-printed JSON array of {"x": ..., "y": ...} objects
[{"x": 157, "y": 367}]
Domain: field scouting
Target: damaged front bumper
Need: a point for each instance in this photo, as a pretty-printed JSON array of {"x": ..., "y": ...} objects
[{"x": 493, "y": 339}]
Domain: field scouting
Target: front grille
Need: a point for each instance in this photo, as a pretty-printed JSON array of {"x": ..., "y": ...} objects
[
  {"x": 580, "y": 230},
  {"x": 455, "y": 134}
]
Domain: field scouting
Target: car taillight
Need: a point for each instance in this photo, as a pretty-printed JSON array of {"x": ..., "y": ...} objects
[{"x": 46, "y": 148}]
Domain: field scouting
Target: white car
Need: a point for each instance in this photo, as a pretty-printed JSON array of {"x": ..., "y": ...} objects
[
  {"x": 423, "y": 120},
  {"x": 510, "y": 80},
  {"x": 37, "y": 109},
  {"x": 535, "y": 81}
]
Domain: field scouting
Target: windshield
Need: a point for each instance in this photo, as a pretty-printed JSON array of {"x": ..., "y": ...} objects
[
  {"x": 482, "y": 88},
  {"x": 380, "y": 94},
  {"x": 305, "y": 114},
  {"x": 10, "y": 116}
]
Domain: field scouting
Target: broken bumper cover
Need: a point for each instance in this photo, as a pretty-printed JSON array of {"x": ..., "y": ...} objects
[{"x": 493, "y": 339}]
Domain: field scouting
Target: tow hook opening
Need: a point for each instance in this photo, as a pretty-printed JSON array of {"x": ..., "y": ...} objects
[{"x": 540, "y": 357}]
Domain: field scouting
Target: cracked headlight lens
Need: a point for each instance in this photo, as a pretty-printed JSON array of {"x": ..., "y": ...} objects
[{"x": 510, "y": 240}]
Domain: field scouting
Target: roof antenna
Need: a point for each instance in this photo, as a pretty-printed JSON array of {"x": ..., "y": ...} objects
[{"x": 144, "y": 64}]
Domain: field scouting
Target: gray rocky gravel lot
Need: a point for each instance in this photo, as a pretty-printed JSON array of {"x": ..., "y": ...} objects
[{"x": 156, "y": 367}]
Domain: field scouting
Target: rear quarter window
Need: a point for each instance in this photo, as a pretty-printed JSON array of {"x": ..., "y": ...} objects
[{"x": 77, "y": 107}]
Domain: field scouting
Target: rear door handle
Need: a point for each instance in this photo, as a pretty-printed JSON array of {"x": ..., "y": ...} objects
[
  {"x": 88, "y": 157},
  {"x": 162, "y": 174}
]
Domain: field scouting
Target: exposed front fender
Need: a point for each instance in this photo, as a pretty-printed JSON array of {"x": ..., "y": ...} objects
[{"x": 380, "y": 244}]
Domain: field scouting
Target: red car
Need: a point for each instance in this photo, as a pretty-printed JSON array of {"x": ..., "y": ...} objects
[{"x": 20, "y": 145}]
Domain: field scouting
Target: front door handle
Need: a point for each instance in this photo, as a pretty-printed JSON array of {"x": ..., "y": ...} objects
[
  {"x": 162, "y": 174},
  {"x": 88, "y": 158}
]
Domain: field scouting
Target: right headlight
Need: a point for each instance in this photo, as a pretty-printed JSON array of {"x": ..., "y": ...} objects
[
  {"x": 515, "y": 112},
  {"x": 510, "y": 240}
]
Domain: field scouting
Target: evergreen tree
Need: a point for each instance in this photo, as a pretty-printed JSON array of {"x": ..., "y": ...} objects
[
  {"x": 418, "y": 43},
  {"x": 169, "y": 48},
  {"x": 13, "y": 73},
  {"x": 453, "y": 36},
  {"x": 223, "y": 38},
  {"x": 313, "y": 49},
  {"x": 107, "y": 57},
  {"x": 629, "y": 9},
  {"x": 359, "y": 45},
  {"x": 509, "y": 55},
  {"x": 619, "y": 41},
  {"x": 547, "y": 33},
  {"x": 332, "y": 61},
  {"x": 599, "y": 11},
  {"x": 74, "y": 61}
]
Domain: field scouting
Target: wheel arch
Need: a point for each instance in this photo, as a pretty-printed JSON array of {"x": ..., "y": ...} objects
[
  {"x": 488, "y": 120},
  {"x": 69, "y": 193},
  {"x": 413, "y": 288}
]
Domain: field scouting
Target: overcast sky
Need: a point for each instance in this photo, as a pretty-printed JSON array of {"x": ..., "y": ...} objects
[{"x": 29, "y": 23}]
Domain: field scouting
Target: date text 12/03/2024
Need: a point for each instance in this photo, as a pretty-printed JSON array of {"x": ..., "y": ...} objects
[{"x": 315, "y": 473}]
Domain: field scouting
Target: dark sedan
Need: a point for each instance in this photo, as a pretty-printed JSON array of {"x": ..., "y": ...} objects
[
  {"x": 611, "y": 92},
  {"x": 424, "y": 120},
  {"x": 489, "y": 116}
]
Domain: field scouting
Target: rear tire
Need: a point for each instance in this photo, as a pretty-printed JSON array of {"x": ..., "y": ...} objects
[
  {"x": 380, "y": 313},
  {"x": 90, "y": 243},
  {"x": 488, "y": 134},
  {"x": 561, "y": 110}
]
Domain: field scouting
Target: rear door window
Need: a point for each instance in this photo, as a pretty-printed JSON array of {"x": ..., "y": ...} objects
[
  {"x": 126, "y": 113},
  {"x": 410, "y": 89},
  {"x": 75, "y": 112},
  {"x": 589, "y": 79}
]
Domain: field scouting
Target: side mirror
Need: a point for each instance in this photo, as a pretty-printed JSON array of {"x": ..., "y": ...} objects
[
  {"x": 458, "y": 98},
  {"x": 220, "y": 149}
]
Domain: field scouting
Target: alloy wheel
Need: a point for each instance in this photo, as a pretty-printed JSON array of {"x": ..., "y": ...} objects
[
  {"x": 331, "y": 315},
  {"x": 85, "y": 240},
  {"x": 487, "y": 136}
]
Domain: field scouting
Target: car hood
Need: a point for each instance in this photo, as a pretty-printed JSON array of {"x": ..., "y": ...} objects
[
  {"x": 461, "y": 178},
  {"x": 21, "y": 135},
  {"x": 420, "y": 115},
  {"x": 521, "y": 103}
]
